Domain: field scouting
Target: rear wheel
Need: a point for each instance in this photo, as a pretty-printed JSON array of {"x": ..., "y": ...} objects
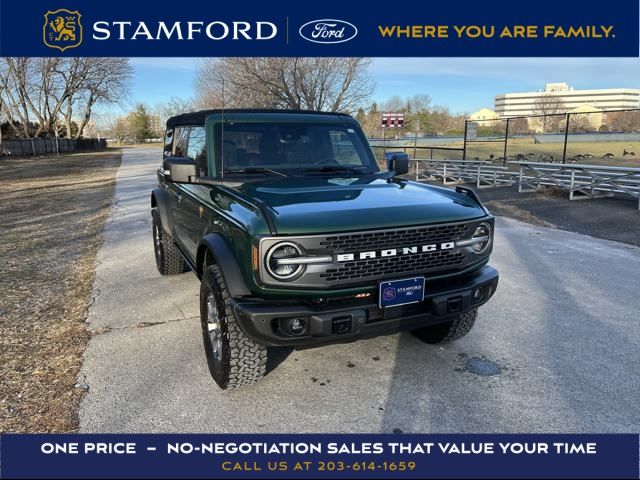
[
  {"x": 168, "y": 258},
  {"x": 233, "y": 358},
  {"x": 448, "y": 331}
]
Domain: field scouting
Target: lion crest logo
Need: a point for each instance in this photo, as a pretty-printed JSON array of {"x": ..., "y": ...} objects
[{"x": 62, "y": 29}]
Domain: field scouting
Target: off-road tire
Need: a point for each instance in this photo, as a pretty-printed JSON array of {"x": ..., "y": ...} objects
[
  {"x": 448, "y": 331},
  {"x": 243, "y": 361},
  {"x": 168, "y": 258}
]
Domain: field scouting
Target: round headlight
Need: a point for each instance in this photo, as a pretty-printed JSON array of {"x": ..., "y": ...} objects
[
  {"x": 483, "y": 234},
  {"x": 288, "y": 269}
]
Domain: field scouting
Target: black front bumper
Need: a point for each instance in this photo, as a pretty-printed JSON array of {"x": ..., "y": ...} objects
[{"x": 267, "y": 322}]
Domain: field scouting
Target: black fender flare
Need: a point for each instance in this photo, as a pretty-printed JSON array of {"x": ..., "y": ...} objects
[
  {"x": 160, "y": 199},
  {"x": 223, "y": 255}
]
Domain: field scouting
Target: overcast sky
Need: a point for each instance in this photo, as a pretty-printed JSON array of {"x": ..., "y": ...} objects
[{"x": 462, "y": 84}]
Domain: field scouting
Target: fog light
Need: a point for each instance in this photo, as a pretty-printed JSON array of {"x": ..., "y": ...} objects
[
  {"x": 296, "y": 326},
  {"x": 477, "y": 294}
]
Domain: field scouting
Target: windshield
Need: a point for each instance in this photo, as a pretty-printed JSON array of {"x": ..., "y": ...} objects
[{"x": 293, "y": 148}]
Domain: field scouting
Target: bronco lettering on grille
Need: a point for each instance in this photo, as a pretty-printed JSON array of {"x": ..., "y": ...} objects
[{"x": 392, "y": 252}]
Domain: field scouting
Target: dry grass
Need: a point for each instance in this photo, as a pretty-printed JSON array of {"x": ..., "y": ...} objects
[{"x": 52, "y": 211}]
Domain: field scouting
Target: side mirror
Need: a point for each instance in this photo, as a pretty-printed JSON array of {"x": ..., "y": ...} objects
[
  {"x": 398, "y": 162},
  {"x": 181, "y": 169}
]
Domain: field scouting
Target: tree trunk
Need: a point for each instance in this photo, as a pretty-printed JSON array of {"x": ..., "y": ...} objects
[
  {"x": 86, "y": 117},
  {"x": 68, "y": 115}
]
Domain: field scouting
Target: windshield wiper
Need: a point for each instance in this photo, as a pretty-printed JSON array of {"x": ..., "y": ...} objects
[
  {"x": 335, "y": 168},
  {"x": 262, "y": 170}
]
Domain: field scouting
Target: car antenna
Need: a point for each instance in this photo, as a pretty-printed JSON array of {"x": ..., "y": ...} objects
[{"x": 222, "y": 136}]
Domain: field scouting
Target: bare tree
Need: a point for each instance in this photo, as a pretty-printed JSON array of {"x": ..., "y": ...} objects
[
  {"x": 329, "y": 84},
  {"x": 624, "y": 121},
  {"x": 420, "y": 115},
  {"x": 518, "y": 126},
  {"x": 441, "y": 120},
  {"x": 116, "y": 127},
  {"x": 395, "y": 104},
  {"x": 38, "y": 92},
  {"x": 548, "y": 106},
  {"x": 419, "y": 102},
  {"x": 580, "y": 122},
  {"x": 175, "y": 106},
  {"x": 105, "y": 80},
  {"x": 3, "y": 86}
]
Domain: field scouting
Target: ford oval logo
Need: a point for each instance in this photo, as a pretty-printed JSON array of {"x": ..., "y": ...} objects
[{"x": 328, "y": 31}]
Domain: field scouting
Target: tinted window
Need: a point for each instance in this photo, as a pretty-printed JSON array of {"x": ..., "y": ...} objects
[
  {"x": 290, "y": 146},
  {"x": 168, "y": 143},
  {"x": 344, "y": 150}
]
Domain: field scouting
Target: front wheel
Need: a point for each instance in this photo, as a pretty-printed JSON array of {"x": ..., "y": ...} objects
[
  {"x": 233, "y": 358},
  {"x": 448, "y": 331}
]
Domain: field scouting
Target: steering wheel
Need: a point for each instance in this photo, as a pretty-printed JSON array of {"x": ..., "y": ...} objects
[{"x": 326, "y": 161}]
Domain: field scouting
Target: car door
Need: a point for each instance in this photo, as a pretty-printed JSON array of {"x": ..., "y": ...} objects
[
  {"x": 189, "y": 222},
  {"x": 180, "y": 229},
  {"x": 170, "y": 187}
]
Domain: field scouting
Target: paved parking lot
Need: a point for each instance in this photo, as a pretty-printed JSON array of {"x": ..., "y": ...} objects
[{"x": 556, "y": 350}]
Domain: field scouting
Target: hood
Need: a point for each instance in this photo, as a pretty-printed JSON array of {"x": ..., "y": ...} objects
[{"x": 309, "y": 205}]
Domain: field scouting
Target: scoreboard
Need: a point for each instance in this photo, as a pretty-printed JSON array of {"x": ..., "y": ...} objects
[{"x": 393, "y": 120}]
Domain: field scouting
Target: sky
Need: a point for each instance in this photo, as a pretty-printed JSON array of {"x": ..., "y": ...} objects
[{"x": 462, "y": 84}]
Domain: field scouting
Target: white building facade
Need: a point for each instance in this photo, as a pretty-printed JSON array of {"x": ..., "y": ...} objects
[{"x": 524, "y": 104}]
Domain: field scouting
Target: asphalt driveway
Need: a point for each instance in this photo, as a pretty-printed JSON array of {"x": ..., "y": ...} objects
[{"x": 556, "y": 350}]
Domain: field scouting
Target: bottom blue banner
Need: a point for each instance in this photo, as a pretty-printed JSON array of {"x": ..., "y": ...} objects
[{"x": 319, "y": 456}]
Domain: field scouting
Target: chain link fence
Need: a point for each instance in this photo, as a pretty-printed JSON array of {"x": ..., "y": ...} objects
[
  {"x": 46, "y": 146},
  {"x": 485, "y": 140},
  {"x": 590, "y": 137},
  {"x": 421, "y": 148}
]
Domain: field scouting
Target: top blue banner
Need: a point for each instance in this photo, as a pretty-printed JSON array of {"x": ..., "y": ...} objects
[{"x": 325, "y": 28}]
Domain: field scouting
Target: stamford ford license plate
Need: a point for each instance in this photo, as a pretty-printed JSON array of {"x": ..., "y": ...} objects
[{"x": 401, "y": 292}]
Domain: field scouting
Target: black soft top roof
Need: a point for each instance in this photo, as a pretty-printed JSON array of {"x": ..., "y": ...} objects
[{"x": 198, "y": 118}]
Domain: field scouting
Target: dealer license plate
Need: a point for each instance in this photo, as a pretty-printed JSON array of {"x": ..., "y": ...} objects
[{"x": 401, "y": 292}]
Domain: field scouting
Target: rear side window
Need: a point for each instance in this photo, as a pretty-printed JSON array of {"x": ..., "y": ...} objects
[{"x": 168, "y": 143}]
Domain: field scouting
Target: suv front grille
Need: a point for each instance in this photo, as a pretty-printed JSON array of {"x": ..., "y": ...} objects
[
  {"x": 394, "y": 238},
  {"x": 379, "y": 267},
  {"x": 355, "y": 270},
  {"x": 389, "y": 266}
]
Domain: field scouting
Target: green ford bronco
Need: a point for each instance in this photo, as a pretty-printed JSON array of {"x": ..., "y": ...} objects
[{"x": 300, "y": 240}]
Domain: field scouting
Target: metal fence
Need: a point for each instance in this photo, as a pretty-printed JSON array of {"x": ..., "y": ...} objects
[
  {"x": 591, "y": 137},
  {"x": 424, "y": 148},
  {"x": 420, "y": 152},
  {"x": 484, "y": 140},
  {"x": 46, "y": 146}
]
